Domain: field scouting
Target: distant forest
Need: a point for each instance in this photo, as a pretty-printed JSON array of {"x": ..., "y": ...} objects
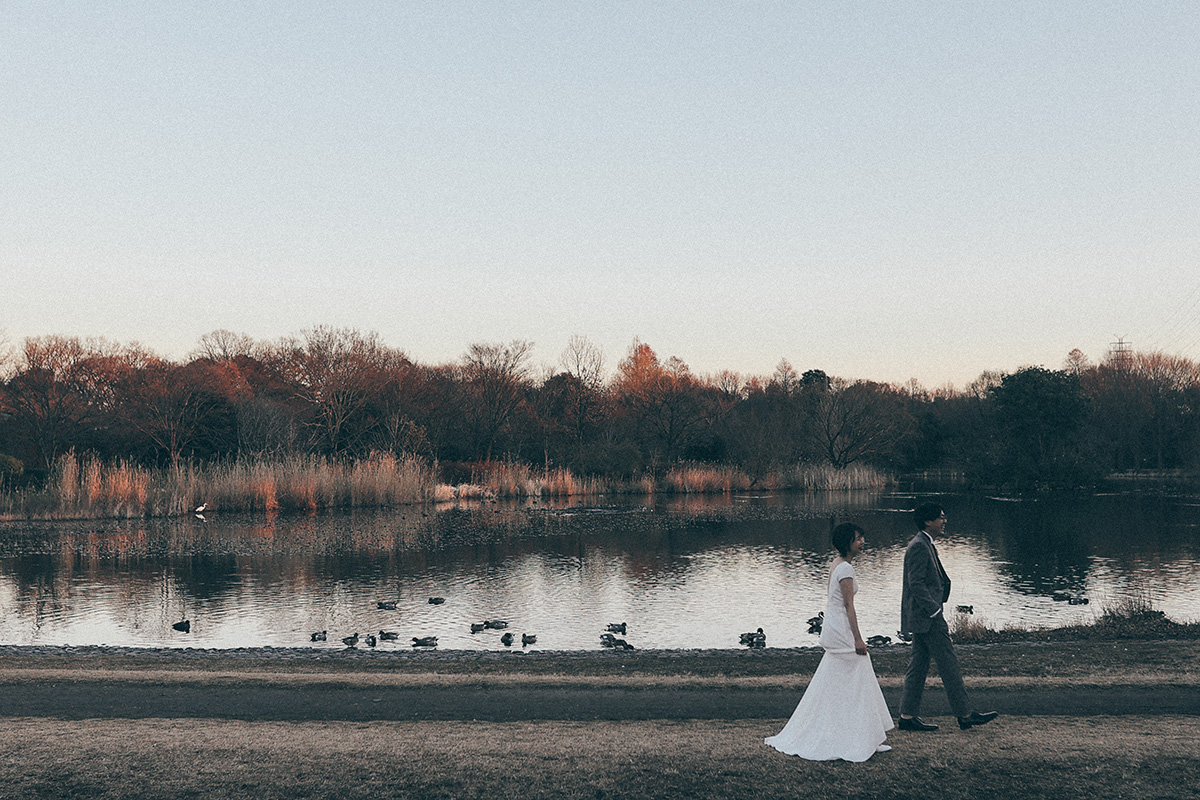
[{"x": 343, "y": 394}]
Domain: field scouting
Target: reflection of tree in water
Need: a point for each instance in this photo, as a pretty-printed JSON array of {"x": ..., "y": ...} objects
[
  {"x": 207, "y": 560},
  {"x": 328, "y": 567},
  {"x": 1051, "y": 544}
]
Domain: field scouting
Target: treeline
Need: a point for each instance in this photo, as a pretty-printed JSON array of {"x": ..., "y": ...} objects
[{"x": 343, "y": 395}]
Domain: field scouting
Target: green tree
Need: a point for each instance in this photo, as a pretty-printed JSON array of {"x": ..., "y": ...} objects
[{"x": 1041, "y": 414}]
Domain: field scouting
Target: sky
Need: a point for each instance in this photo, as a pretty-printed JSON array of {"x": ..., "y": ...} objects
[{"x": 881, "y": 190}]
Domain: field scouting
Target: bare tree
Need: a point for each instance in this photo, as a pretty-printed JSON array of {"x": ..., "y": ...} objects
[
  {"x": 584, "y": 362},
  {"x": 333, "y": 371},
  {"x": 494, "y": 376},
  {"x": 857, "y": 420},
  {"x": 224, "y": 345},
  {"x": 785, "y": 378}
]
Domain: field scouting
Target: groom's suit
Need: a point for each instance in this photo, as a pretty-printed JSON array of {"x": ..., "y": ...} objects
[
  {"x": 926, "y": 585},
  {"x": 926, "y": 589}
]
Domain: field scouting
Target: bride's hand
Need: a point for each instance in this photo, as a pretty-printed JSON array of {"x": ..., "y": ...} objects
[{"x": 860, "y": 647}]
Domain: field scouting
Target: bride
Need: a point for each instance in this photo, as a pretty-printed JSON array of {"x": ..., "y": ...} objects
[{"x": 842, "y": 713}]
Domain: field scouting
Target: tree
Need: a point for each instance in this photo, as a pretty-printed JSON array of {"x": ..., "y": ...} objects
[
  {"x": 177, "y": 406},
  {"x": 224, "y": 345},
  {"x": 61, "y": 388},
  {"x": 1076, "y": 363},
  {"x": 663, "y": 400},
  {"x": 495, "y": 377},
  {"x": 1041, "y": 412},
  {"x": 334, "y": 372},
  {"x": 785, "y": 378},
  {"x": 583, "y": 395},
  {"x": 858, "y": 421}
]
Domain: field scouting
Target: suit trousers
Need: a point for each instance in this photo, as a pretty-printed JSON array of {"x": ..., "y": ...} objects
[{"x": 935, "y": 644}]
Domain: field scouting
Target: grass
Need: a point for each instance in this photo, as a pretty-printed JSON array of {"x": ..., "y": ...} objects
[
  {"x": 503, "y": 479},
  {"x": 83, "y": 487},
  {"x": 1128, "y": 618},
  {"x": 1029, "y": 757}
]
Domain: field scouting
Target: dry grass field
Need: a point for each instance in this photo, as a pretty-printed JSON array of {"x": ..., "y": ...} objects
[{"x": 1057, "y": 758}]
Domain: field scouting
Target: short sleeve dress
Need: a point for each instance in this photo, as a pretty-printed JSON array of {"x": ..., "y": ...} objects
[{"x": 842, "y": 713}]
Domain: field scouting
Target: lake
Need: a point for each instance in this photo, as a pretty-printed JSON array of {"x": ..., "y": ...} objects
[{"x": 683, "y": 572}]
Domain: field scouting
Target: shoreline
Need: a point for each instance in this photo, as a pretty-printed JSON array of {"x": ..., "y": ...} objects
[{"x": 1164, "y": 660}]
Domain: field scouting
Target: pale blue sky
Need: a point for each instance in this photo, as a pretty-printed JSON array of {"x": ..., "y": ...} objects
[{"x": 880, "y": 190}]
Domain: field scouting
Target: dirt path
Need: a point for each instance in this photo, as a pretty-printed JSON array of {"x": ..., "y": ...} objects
[
  {"x": 324, "y": 702},
  {"x": 1065, "y": 679}
]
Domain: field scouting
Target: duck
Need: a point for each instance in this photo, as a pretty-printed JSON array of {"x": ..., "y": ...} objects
[
  {"x": 1078, "y": 601},
  {"x": 755, "y": 639},
  {"x": 184, "y": 626},
  {"x": 607, "y": 639},
  {"x": 617, "y": 627},
  {"x": 965, "y": 609},
  {"x": 476, "y": 627},
  {"x": 904, "y": 637},
  {"x": 350, "y": 641},
  {"x": 814, "y": 624},
  {"x": 495, "y": 624},
  {"x": 424, "y": 641},
  {"x": 386, "y": 605},
  {"x": 528, "y": 639},
  {"x": 371, "y": 640},
  {"x": 818, "y": 620},
  {"x": 621, "y": 644},
  {"x": 506, "y": 639},
  {"x": 879, "y": 641},
  {"x": 436, "y": 601},
  {"x": 388, "y": 636},
  {"x": 319, "y": 636}
]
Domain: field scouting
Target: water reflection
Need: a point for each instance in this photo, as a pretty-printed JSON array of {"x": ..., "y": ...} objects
[{"x": 683, "y": 572}]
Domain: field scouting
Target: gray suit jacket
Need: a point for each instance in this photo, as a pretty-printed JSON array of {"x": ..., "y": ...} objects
[{"x": 926, "y": 586}]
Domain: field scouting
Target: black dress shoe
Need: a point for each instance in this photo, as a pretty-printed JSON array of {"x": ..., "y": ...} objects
[
  {"x": 915, "y": 724},
  {"x": 976, "y": 718}
]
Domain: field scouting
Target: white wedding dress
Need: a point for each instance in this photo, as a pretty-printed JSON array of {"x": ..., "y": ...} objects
[{"x": 842, "y": 713}]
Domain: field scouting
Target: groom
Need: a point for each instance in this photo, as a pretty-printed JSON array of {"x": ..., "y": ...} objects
[{"x": 926, "y": 588}]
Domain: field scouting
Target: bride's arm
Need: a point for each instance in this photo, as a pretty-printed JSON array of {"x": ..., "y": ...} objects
[{"x": 847, "y": 585}]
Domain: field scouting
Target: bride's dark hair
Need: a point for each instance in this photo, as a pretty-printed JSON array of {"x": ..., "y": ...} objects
[{"x": 843, "y": 535}]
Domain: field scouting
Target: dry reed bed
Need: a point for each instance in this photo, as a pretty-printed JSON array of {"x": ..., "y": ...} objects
[{"x": 85, "y": 487}]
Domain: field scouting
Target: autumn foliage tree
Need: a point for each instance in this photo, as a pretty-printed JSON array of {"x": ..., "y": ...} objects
[
  {"x": 184, "y": 408},
  {"x": 61, "y": 390},
  {"x": 663, "y": 401}
]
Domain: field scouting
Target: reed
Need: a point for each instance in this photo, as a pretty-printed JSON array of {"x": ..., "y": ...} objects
[
  {"x": 85, "y": 487},
  {"x": 706, "y": 479},
  {"x": 89, "y": 488},
  {"x": 827, "y": 478},
  {"x": 969, "y": 628}
]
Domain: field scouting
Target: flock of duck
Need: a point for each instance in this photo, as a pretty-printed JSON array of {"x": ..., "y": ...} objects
[
  {"x": 608, "y": 639},
  {"x": 759, "y": 639},
  {"x": 508, "y": 638}
]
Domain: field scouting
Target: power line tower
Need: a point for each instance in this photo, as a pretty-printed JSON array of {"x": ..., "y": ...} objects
[{"x": 1119, "y": 353}]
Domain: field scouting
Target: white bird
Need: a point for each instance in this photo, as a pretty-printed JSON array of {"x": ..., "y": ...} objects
[{"x": 201, "y": 507}]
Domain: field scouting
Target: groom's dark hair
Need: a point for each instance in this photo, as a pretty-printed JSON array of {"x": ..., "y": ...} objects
[
  {"x": 843, "y": 536},
  {"x": 925, "y": 513}
]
